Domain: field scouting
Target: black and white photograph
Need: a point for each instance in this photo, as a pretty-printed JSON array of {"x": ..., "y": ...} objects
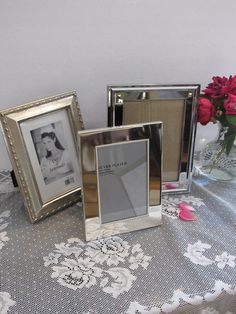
[{"x": 52, "y": 152}]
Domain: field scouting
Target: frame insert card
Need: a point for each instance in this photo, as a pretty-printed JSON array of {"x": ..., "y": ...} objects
[{"x": 123, "y": 180}]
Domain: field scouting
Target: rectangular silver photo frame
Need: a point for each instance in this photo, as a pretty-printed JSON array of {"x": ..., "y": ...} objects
[
  {"x": 41, "y": 138},
  {"x": 121, "y": 178},
  {"x": 176, "y": 107}
]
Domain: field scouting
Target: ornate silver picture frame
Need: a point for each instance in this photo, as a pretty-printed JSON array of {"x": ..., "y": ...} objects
[
  {"x": 41, "y": 137},
  {"x": 121, "y": 178},
  {"x": 176, "y": 106}
]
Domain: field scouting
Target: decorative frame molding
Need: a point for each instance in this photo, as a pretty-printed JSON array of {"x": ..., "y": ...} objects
[{"x": 11, "y": 121}]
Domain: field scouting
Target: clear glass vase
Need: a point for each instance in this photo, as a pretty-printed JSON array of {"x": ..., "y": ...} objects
[{"x": 213, "y": 160}]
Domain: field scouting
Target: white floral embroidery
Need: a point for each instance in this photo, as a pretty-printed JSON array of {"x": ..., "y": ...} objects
[
  {"x": 196, "y": 201},
  {"x": 209, "y": 310},
  {"x": 184, "y": 198},
  {"x": 136, "y": 308},
  {"x": 170, "y": 210},
  {"x": 94, "y": 230},
  {"x": 136, "y": 249},
  {"x": 139, "y": 260},
  {"x": 3, "y": 225},
  {"x": 170, "y": 204},
  {"x": 5, "y": 302},
  {"x": 225, "y": 259},
  {"x": 3, "y": 238},
  {"x": 5, "y": 298},
  {"x": 104, "y": 282},
  {"x": 85, "y": 268},
  {"x": 123, "y": 281},
  {"x": 51, "y": 259},
  {"x": 4, "y": 214},
  {"x": 111, "y": 250},
  {"x": 179, "y": 298},
  {"x": 195, "y": 253},
  {"x": 76, "y": 274},
  {"x": 76, "y": 240},
  {"x": 67, "y": 250},
  {"x": 6, "y": 185}
]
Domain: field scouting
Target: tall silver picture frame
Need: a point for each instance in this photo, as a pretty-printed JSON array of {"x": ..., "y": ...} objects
[
  {"x": 121, "y": 178},
  {"x": 176, "y": 106}
]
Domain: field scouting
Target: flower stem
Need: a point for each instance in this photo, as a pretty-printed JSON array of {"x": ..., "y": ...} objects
[{"x": 215, "y": 160}]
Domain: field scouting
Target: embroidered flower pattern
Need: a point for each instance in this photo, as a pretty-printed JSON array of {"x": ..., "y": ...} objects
[
  {"x": 3, "y": 225},
  {"x": 112, "y": 251},
  {"x": 106, "y": 231},
  {"x": 179, "y": 298},
  {"x": 140, "y": 259},
  {"x": 171, "y": 206},
  {"x": 123, "y": 280},
  {"x": 195, "y": 201},
  {"x": 67, "y": 250},
  {"x": 76, "y": 273},
  {"x": 51, "y": 259},
  {"x": 5, "y": 298},
  {"x": 3, "y": 238},
  {"x": 209, "y": 310},
  {"x": 136, "y": 308},
  {"x": 195, "y": 254},
  {"x": 5, "y": 302},
  {"x": 225, "y": 259},
  {"x": 79, "y": 265}
]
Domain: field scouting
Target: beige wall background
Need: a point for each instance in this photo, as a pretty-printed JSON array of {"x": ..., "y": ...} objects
[{"x": 51, "y": 46}]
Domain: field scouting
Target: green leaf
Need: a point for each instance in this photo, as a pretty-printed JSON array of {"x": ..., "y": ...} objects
[
  {"x": 222, "y": 119},
  {"x": 229, "y": 141},
  {"x": 231, "y": 119}
]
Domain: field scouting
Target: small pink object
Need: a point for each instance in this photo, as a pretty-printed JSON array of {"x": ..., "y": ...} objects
[
  {"x": 170, "y": 186},
  {"x": 184, "y": 206},
  {"x": 187, "y": 215}
]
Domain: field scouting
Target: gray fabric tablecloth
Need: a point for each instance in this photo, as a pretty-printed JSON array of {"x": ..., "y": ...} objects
[{"x": 179, "y": 267}]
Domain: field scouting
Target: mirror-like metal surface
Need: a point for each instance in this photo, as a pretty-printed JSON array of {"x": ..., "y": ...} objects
[
  {"x": 93, "y": 141},
  {"x": 175, "y": 106}
]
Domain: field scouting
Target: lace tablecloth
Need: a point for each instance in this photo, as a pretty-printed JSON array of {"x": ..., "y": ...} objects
[{"x": 179, "y": 267}]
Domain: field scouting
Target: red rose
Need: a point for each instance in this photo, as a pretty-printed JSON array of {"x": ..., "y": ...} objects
[
  {"x": 206, "y": 111},
  {"x": 230, "y": 105},
  {"x": 218, "y": 88},
  {"x": 231, "y": 85},
  {"x": 221, "y": 86}
]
